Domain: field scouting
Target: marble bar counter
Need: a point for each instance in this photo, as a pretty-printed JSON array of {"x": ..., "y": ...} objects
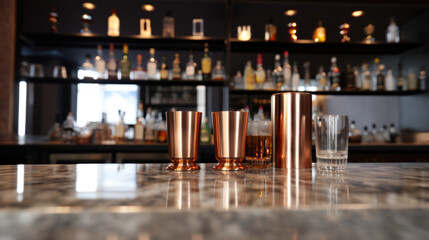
[{"x": 145, "y": 201}]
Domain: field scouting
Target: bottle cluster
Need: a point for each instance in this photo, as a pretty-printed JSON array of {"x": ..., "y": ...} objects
[
  {"x": 287, "y": 77},
  {"x": 384, "y": 134},
  {"x": 112, "y": 68}
]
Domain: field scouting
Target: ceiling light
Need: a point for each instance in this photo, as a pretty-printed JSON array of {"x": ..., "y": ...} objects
[
  {"x": 148, "y": 7},
  {"x": 291, "y": 12},
  {"x": 88, "y": 5},
  {"x": 357, "y": 13}
]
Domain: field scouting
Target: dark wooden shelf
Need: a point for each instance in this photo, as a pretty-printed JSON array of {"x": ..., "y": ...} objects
[
  {"x": 340, "y": 93},
  {"x": 308, "y": 46},
  {"x": 139, "y": 82},
  {"x": 91, "y": 40}
]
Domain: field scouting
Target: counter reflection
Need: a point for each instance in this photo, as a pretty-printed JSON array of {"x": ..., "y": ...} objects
[
  {"x": 229, "y": 190},
  {"x": 292, "y": 187},
  {"x": 183, "y": 191}
]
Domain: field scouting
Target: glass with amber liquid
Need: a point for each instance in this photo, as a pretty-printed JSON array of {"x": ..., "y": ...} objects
[{"x": 259, "y": 144}]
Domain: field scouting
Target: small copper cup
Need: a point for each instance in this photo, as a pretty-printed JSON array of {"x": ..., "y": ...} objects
[
  {"x": 230, "y": 129},
  {"x": 183, "y": 129}
]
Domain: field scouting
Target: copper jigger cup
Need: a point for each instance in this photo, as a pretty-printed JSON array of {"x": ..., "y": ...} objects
[
  {"x": 183, "y": 129},
  {"x": 230, "y": 129}
]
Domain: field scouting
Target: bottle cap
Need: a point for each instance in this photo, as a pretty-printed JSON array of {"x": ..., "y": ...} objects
[
  {"x": 125, "y": 48},
  {"x": 259, "y": 58},
  {"x": 286, "y": 53},
  {"x": 139, "y": 58},
  {"x": 113, "y": 11},
  {"x": 152, "y": 51},
  {"x": 376, "y": 60}
]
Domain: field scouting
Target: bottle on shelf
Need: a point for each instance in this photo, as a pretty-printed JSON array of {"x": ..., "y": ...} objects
[
  {"x": 322, "y": 80},
  {"x": 295, "y": 77},
  {"x": 100, "y": 64},
  {"x": 55, "y": 133},
  {"x": 386, "y": 134},
  {"x": 120, "y": 127},
  {"x": 260, "y": 73},
  {"x": 412, "y": 81},
  {"x": 373, "y": 133},
  {"x": 375, "y": 73},
  {"x": 355, "y": 135},
  {"x": 239, "y": 81},
  {"x": 344, "y": 32},
  {"x": 197, "y": 27},
  {"x": 149, "y": 133},
  {"x": 205, "y": 131},
  {"x": 87, "y": 70},
  {"x": 69, "y": 129},
  {"x": 112, "y": 64},
  {"x": 113, "y": 24},
  {"x": 390, "y": 80},
  {"x": 392, "y": 133},
  {"x": 86, "y": 20},
  {"x": 287, "y": 72},
  {"x": 139, "y": 126},
  {"x": 125, "y": 63},
  {"x": 249, "y": 76},
  {"x": 53, "y": 20},
  {"x": 358, "y": 83},
  {"x": 349, "y": 81},
  {"x": 369, "y": 31},
  {"x": 366, "y": 136},
  {"x": 278, "y": 72},
  {"x": 161, "y": 130},
  {"x": 138, "y": 73},
  {"x": 402, "y": 81},
  {"x": 319, "y": 34},
  {"x": 168, "y": 25},
  {"x": 270, "y": 31},
  {"x": 103, "y": 132},
  {"x": 206, "y": 63},
  {"x": 334, "y": 75},
  {"x": 292, "y": 29},
  {"x": 422, "y": 79},
  {"x": 379, "y": 137},
  {"x": 269, "y": 85},
  {"x": 392, "y": 33},
  {"x": 381, "y": 78},
  {"x": 176, "y": 70},
  {"x": 164, "y": 71},
  {"x": 190, "y": 67},
  {"x": 152, "y": 65},
  {"x": 307, "y": 78},
  {"x": 219, "y": 71}
]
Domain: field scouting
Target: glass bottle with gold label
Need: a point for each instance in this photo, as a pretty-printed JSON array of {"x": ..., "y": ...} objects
[
  {"x": 164, "y": 72},
  {"x": 177, "y": 71},
  {"x": 260, "y": 73},
  {"x": 319, "y": 34},
  {"x": 125, "y": 64},
  {"x": 206, "y": 63},
  {"x": 249, "y": 76}
]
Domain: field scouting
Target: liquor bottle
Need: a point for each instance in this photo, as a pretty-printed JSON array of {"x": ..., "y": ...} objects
[
  {"x": 260, "y": 73},
  {"x": 138, "y": 73},
  {"x": 249, "y": 76},
  {"x": 270, "y": 31},
  {"x": 344, "y": 32},
  {"x": 292, "y": 29},
  {"x": 373, "y": 133},
  {"x": 112, "y": 64},
  {"x": 319, "y": 34},
  {"x": 375, "y": 73},
  {"x": 379, "y": 136},
  {"x": 349, "y": 79},
  {"x": 322, "y": 80},
  {"x": 307, "y": 79},
  {"x": 239, "y": 81},
  {"x": 261, "y": 114},
  {"x": 354, "y": 133},
  {"x": 168, "y": 25},
  {"x": 386, "y": 135},
  {"x": 163, "y": 71},
  {"x": 86, "y": 20},
  {"x": 402, "y": 81},
  {"x": 113, "y": 24},
  {"x": 218, "y": 71},
  {"x": 120, "y": 127},
  {"x": 100, "y": 64},
  {"x": 422, "y": 79},
  {"x": 287, "y": 72},
  {"x": 278, "y": 72},
  {"x": 69, "y": 129},
  {"x": 390, "y": 80},
  {"x": 151, "y": 65},
  {"x": 365, "y": 77},
  {"x": 149, "y": 133},
  {"x": 295, "y": 77},
  {"x": 125, "y": 64},
  {"x": 206, "y": 63},
  {"x": 87, "y": 70},
  {"x": 269, "y": 85},
  {"x": 392, "y": 133},
  {"x": 177, "y": 71},
  {"x": 55, "y": 133},
  {"x": 334, "y": 75},
  {"x": 366, "y": 136},
  {"x": 53, "y": 20},
  {"x": 190, "y": 67},
  {"x": 412, "y": 81},
  {"x": 161, "y": 130},
  {"x": 369, "y": 30},
  {"x": 358, "y": 83},
  {"x": 139, "y": 130},
  {"x": 392, "y": 33},
  {"x": 381, "y": 79},
  {"x": 205, "y": 132}
]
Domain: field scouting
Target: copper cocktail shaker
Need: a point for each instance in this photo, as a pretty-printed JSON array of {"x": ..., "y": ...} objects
[
  {"x": 183, "y": 129},
  {"x": 230, "y": 128},
  {"x": 291, "y": 116}
]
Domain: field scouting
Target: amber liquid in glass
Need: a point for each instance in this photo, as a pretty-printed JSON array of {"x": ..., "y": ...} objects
[
  {"x": 162, "y": 136},
  {"x": 259, "y": 151}
]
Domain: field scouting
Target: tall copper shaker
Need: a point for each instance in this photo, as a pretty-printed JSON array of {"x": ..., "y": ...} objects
[
  {"x": 183, "y": 129},
  {"x": 291, "y": 116}
]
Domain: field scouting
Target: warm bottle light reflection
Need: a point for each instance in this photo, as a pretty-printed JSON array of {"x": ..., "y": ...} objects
[{"x": 244, "y": 33}]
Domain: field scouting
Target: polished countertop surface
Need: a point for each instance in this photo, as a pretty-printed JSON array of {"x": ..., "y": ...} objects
[{"x": 145, "y": 201}]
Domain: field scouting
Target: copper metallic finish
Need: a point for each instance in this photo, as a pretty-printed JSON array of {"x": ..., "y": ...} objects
[
  {"x": 183, "y": 129},
  {"x": 230, "y": 129},
  {"x": 291, "y": 116}
]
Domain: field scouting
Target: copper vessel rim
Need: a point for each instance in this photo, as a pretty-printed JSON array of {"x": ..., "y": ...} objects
[
  {"x": 228, "y": 111},
  {"x": 333, "y": 115},
  {"x": 183, "y": 112},
  {"x": 292, "y": 93}
]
